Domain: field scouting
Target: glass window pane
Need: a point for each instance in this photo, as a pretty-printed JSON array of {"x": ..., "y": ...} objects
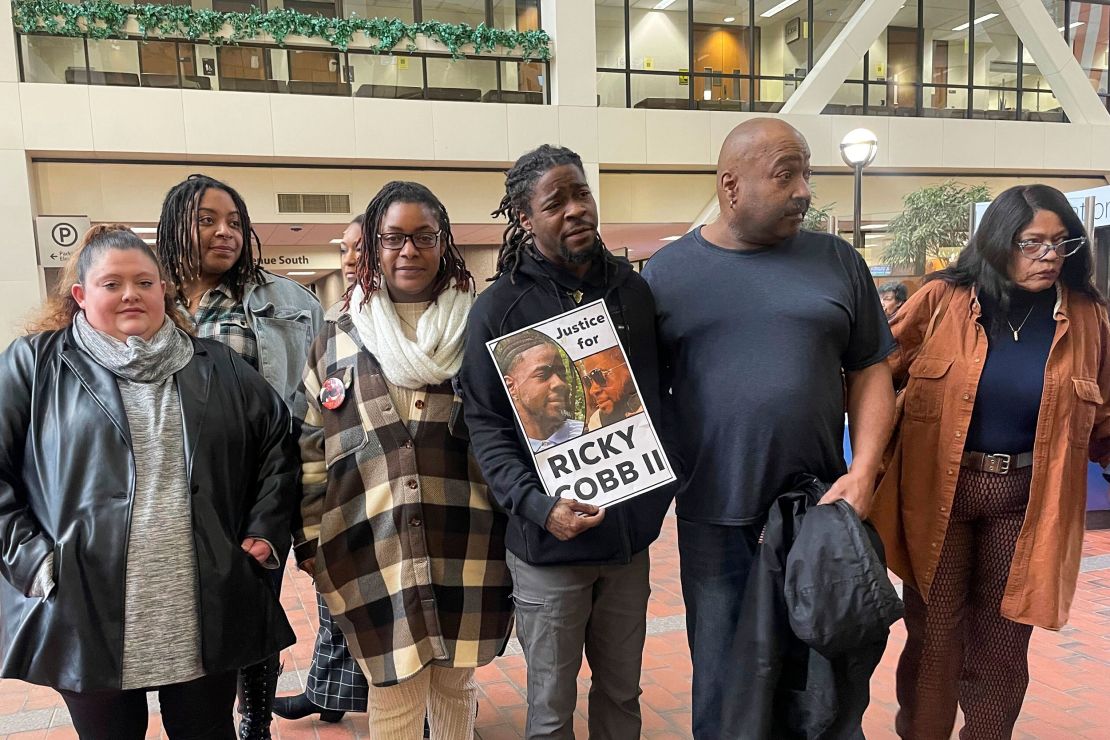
[
  {"x": 829, "y": 19},
  {"x": 719, "y": 92},
  {"x": 114, "y": 62},
  {"x": 461, "y": 79},
  {"x": 521, "y": 82},
  {"x": 946, "y": 47},
  {"x": 848, "y": 101},
  {"x": 471, "y": 12},
  {"x": 894, "y": 61},
  {"x": 1041, "y": 105},
  {"x": 659, "y": 38},
  {"x": 523, "y": 15},
  {"x": 398, "y": 77},
  {"x": 609, "y": 21},
  {"x": 610, "y": 90},
  {"x": 994, "y": 105},
  {"x": 661, "y": 91},
  {"x": 996, "y": 48},
  {"x": 722, "y": 49},
  {"x": 53, "y": 59},
  {"x": 781, "y": 45},
  {"x": 1090, "y": 36},
  {"x": 945, "y": 102},
  {"x": 326, "y": 8},
  {"x": 379, "y": 9}
]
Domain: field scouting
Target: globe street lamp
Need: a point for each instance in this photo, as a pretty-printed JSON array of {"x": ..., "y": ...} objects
[{"x": 858, "y": 149}]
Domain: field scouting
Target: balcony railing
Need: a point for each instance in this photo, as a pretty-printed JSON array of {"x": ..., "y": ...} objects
[{"x": 359, "y": 65}]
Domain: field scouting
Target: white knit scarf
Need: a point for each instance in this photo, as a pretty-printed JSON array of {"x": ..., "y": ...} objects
[{"x": 435, "y": 357}]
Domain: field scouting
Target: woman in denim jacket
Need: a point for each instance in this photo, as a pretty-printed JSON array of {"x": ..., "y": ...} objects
[{"x": 213, "y": 257}]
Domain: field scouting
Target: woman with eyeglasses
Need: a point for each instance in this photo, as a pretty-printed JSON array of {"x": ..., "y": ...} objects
[
  {"x": 397, "y": 526},
  {"x": 1003, "y": 357}
]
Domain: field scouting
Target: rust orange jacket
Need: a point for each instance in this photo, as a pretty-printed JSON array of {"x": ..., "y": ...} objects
[{"x": 914, "y": 498}]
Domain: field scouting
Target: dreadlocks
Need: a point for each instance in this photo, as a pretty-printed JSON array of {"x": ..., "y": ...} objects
[
  {"x": 179, "y": 236},
  {"x": 368, "y": 271},
  {"x": 520, "y": 181}
]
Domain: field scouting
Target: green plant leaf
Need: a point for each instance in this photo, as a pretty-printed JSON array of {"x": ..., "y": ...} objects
[
  {"x": 933, "y": 219},
  {"x": 101, "y": 19}
]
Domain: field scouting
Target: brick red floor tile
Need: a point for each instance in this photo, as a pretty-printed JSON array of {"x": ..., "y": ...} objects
[{"x": 1067, "y": 699}]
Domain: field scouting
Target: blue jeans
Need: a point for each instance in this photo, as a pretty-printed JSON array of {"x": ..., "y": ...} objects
[{"x": 714, "y": 562}]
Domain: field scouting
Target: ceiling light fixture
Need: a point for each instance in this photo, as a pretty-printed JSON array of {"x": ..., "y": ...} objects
[
  {"x": 336, "y": 241},
  {"x": 777, "y": 9},
  {"x": 873, "y": 227},
  {"x": 663, "y": 4},
  {"x": 301, "y": 273},
  {"x": 730, "y": 18},
  {"x": 144, "y": 229},
  {"x": 980, "y": 19}
]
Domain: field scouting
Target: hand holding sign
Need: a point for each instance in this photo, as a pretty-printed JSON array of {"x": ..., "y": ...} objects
[{"x": 571, "y": 518}]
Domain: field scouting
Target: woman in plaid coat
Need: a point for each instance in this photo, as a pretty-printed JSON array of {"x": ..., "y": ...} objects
[{"x": 397, "y": 525}]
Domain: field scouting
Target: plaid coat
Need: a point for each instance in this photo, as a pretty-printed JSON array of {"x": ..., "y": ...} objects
[{"x": 409, "y": 550}]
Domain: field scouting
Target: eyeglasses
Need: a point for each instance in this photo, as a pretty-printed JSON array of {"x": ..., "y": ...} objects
[
  {"x": 1039, "y": 250},
  {"x": 599, "y": 376},
  {"x": 421, "y": 240}
]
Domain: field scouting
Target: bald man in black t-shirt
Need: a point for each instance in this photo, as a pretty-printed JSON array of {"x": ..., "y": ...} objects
[{"x": 759, "y": 322}]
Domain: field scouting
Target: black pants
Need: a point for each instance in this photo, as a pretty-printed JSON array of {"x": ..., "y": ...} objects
[{"x": 194, "y": 710}]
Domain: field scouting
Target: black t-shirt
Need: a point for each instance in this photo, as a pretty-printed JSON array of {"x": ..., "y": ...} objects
[
  {"x": 1008, "y": 400},
  {"x": 755, "y": 343}
]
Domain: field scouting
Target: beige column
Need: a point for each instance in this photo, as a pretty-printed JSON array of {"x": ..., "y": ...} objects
[
  {"x": 570, "y": 23},
  {"x": 21, "y": 290}
]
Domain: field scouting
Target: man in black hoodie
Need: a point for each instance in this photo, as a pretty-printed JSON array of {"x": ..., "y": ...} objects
[{"x": 580, "y": 574}]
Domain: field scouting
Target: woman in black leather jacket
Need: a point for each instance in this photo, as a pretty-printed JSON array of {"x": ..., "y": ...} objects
[{"x": 147, "y": 479}]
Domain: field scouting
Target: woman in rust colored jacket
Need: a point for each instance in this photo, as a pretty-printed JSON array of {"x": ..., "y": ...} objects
[{"x": 1003, "y": 357}]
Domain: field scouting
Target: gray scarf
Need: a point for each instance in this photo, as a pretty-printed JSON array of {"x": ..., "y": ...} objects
[{"x": 137, "y": 360}]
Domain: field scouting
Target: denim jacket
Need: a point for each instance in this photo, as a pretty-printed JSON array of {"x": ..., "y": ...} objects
[{"x": 285, "y": 317}]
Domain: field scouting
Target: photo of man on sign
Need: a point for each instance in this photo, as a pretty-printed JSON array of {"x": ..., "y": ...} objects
[
  {"x": 534, "y": 368},
  {"x": 610, "y": 391}
]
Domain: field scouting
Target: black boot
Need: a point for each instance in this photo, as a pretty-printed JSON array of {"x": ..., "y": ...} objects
[
  {"x": 300, "y": 706},
  {"x": 257, "y": 688}
]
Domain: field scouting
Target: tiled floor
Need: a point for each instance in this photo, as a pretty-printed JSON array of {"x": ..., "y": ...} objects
[{"x": 1068, "y": 696}]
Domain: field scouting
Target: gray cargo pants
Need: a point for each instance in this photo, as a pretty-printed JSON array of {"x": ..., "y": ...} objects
[{"x": 561, "y": 610}]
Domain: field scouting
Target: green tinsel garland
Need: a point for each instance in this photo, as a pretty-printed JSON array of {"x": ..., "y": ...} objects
[{"x": 101, "y": 19}]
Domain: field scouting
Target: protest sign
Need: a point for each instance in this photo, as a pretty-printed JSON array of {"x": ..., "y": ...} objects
[{"x": 576, "y": 399}]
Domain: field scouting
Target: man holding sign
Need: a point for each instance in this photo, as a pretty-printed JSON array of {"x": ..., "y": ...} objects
[{"x": 580, "y": 570}]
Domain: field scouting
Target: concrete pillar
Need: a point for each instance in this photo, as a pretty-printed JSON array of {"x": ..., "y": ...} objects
[
  {"x": 21, "y": 289},
  {"x": 570, "y": 23}
]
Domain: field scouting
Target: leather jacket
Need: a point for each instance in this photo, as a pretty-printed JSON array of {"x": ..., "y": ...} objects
[
  {"x": 67, "y": 480},
  {"x": 813, "y": 623}
]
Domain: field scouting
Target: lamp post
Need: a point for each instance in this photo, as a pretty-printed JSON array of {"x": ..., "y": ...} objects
[{"x": 858, "y": 149}]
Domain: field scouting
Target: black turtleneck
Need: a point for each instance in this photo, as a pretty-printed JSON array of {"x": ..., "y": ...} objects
[{"x": 1009, "y": 396}]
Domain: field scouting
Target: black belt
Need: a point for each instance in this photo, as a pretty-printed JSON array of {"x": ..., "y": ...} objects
[{"x": 1000, "y": 464}]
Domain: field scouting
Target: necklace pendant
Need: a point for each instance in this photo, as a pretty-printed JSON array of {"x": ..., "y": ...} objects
[
  {"x": 1015, "y": 335},
  {"x": 577, "y": 295}
]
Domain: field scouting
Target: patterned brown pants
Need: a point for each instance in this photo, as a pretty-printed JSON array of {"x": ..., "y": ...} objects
[{"x": 959, "y": 647}]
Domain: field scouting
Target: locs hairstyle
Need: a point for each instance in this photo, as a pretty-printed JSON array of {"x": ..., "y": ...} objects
[
  {"x": 520, "y": 183},
  {"x": 985, "y": 261},
  {"x": 368, "y": 271},
  {"x": 179, "y": 236}
]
